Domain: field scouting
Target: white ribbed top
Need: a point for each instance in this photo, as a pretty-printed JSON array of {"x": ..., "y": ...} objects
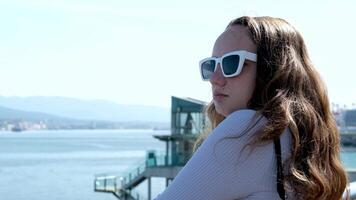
[{"x": 230, "y": 172}]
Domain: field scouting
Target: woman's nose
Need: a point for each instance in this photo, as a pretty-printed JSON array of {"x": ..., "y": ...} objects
[{"x": 217, "y": 78}]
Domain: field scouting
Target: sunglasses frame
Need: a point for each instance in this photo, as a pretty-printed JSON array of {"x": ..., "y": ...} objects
[{"x": 244, "y": 55}]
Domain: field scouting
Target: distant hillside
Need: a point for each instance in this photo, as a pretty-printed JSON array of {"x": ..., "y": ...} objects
[
  {"x": 13, "y": 114},
  {"x": 18, "y": 117},
  {"x": 87, "y": 110}
]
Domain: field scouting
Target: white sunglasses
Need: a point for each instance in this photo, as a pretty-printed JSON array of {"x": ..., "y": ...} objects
[{"x": 231, "y": 64}]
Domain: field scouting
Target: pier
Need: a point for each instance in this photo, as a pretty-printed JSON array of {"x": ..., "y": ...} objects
[{"x": 187, "y": 120}]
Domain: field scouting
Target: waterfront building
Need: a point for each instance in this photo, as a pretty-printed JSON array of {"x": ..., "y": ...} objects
[{"x": 187, "y": 120}]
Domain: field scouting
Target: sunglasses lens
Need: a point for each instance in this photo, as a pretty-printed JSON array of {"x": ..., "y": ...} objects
[
  {"x": 207, "y": 68},
  {"x": 230, "y": 64}
]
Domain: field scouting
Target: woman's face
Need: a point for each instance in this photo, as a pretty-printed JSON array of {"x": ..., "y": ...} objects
[{"x": 231, "y": 94}]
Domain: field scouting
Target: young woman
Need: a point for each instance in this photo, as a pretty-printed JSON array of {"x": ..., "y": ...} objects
[{"x": 272, "y": 134}]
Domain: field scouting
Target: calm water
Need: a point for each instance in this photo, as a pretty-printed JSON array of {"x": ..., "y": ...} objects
[{"x": 60, "y": 165}]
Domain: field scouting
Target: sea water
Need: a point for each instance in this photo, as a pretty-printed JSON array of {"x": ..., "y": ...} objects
[{"x": 61, "y": 165}]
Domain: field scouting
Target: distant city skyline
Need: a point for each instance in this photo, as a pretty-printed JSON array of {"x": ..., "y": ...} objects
[{"x": 144, "y": 52}]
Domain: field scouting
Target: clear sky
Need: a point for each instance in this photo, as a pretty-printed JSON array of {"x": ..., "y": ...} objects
[{"x": 142, "y": 52}]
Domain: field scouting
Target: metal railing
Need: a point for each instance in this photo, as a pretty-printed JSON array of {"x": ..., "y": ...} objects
[
  {"x": 160, "y": 159},
  {"x": 118, "y": 183},
  {"x": 106, "y": 183},
  {"x": 113, "y": 184}
]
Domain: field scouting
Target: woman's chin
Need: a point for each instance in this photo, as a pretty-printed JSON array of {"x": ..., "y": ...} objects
[{"x": 220, "y": 110}]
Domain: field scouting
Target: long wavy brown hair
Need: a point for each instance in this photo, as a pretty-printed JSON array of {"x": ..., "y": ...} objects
[{"x": 290, "y": 93}]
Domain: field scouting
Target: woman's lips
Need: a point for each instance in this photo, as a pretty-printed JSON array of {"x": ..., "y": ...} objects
[{"x": 219, "y": 96}]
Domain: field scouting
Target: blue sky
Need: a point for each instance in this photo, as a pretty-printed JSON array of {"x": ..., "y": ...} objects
[{"x": 142, "y": 52}]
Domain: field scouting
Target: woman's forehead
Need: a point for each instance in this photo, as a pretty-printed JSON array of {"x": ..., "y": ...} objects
[{"x": 232, "y": 39}]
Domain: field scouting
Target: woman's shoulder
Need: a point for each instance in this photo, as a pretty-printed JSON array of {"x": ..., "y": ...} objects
[
  {"x": 243, "y": 117},
  {"x": 242, "y": 112},
  {"x": 239, "y": 121}
]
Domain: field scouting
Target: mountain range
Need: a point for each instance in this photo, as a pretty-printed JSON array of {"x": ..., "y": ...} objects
[{"x": 42, "y": 107}]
